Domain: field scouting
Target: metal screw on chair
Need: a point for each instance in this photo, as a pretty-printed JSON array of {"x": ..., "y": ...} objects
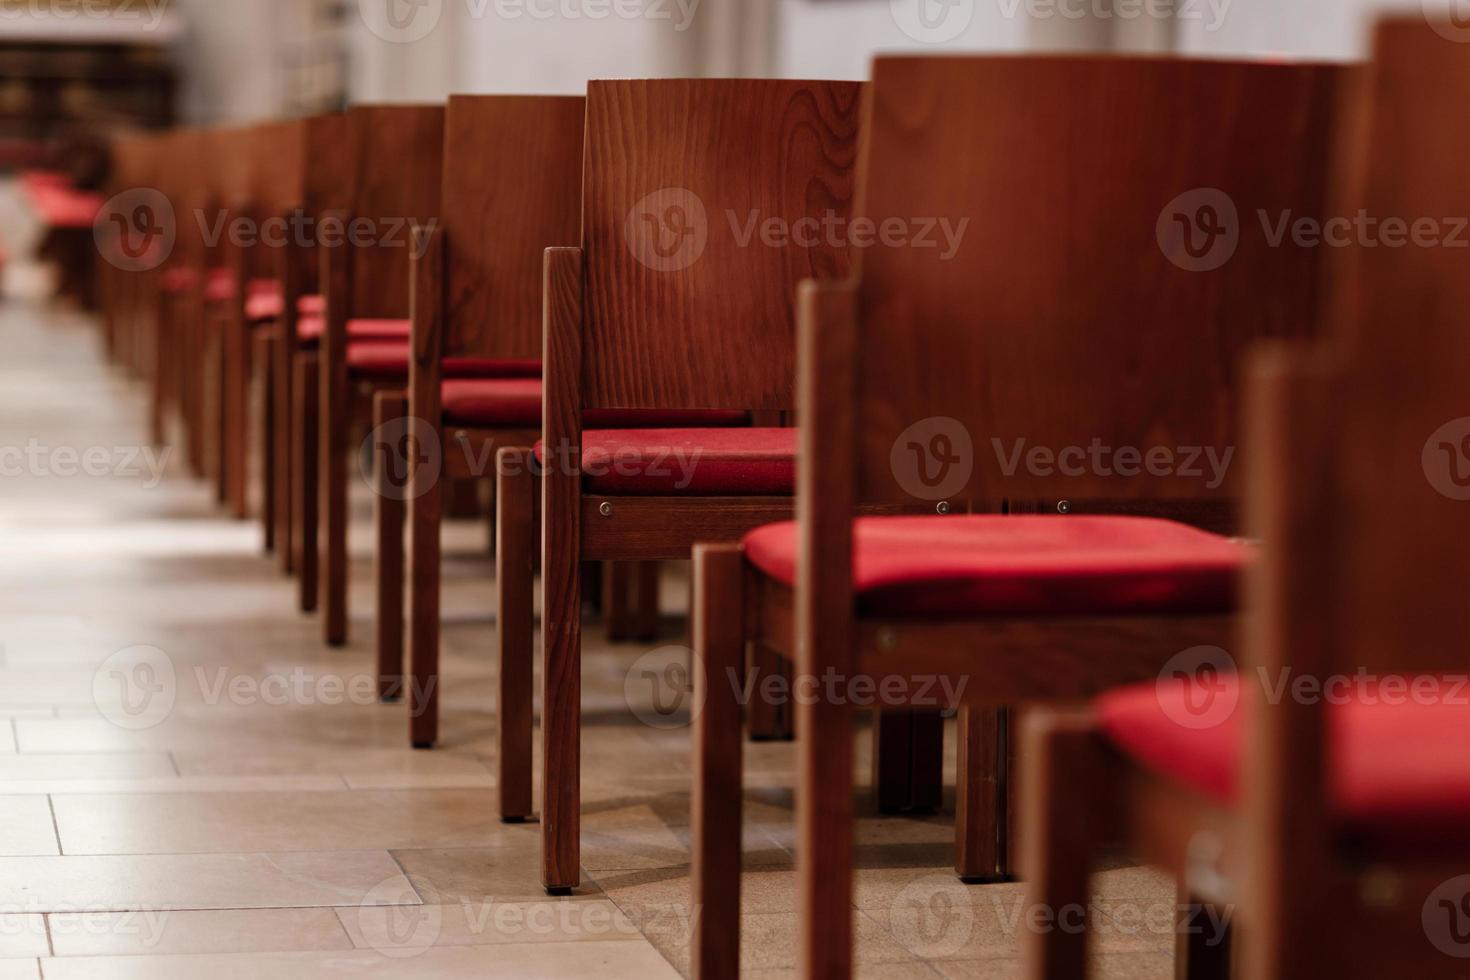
[
  {"x": 605, "y": 508},
  {"x": 462, "y": 437},
  {"x": 887, "y": 639},
  {"x": 942, "y": 507},
  {"x": 1064, "y": 506}
]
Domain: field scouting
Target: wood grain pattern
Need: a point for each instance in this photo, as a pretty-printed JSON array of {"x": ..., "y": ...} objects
[
  {"x": 389, "y": 513},
  {"x": 561, "y": 605},
  {"x": 1060, "y": 275},
  {"x": 511, "y": 189},
  {"x": 397, "y": 165},
  {"x": 515, "y": 555},
  {"x": 729, "y": 149}
]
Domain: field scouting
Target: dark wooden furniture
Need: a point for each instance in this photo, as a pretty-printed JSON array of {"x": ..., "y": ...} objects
[
  {"x": 1333, "y": 827},
  {"x": 1056, "y": 324}
]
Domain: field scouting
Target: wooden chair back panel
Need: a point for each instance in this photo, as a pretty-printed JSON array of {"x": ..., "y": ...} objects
[
  {"x": 398, "y": 155},
  {"x": 1036, "y": 295},
  {"x": 682, "y": 309},
  {"x": 187, "y": 187},
  {"x": 512, "y": 188},
  {"x": 280, "y": 179},
  {"x": 326, "y": 185},
  {"x": 232, "y": 159},
  {"x": 1402, "y": 441}
]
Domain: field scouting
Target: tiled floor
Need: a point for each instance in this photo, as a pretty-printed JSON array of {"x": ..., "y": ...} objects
[{"x": 191, "y": 785}]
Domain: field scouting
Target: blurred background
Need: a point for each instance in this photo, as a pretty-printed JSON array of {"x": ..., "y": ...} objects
[{"x": 73, "y": 72}]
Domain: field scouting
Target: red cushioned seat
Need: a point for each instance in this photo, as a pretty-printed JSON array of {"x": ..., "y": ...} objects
[
  {"x": 1396, "y": 783},
  {"x": 679, "y": 458},
  {"x": 219, "y": 286},
  {"x": 979, "y": 565},
  {"x": 388, "y": 359},
  {"x": 312, "y": 304},
  {"x": 178, "y": 279},
  {"x": 309, "y": 328},
  {"x": 58, "y": 203},
  {"x": 263, "y": 300}
]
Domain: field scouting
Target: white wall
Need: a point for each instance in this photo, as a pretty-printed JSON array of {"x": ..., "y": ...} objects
[{"x": 1325, "y": 29}]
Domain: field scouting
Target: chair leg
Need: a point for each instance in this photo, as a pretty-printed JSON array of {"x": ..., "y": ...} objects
[
  {"x": 1067, "y": 814},
  {"x": 514, "y": 632},
  {"x": 715, "y": 809},
  {"x": 1202, "y": 940},
  {"x": 617, "y": 600},
  {"x": 162, "y": 392},
  {"x": 388, "y": 557},
  {"x": 234, "y": 413},
  {"x": 767, "y": 720},
  {"x": 645, "y": 601},
  {"x": 265, "y": 362},
  {"x": 304, "y": 477},
  {"x": 332, "y": 449},
  {"x": 425, "y": 513},
  {"x": 279, "y": 436},
  {"x": 561, "y": 701},
  {"x": 979, "y": 856}
]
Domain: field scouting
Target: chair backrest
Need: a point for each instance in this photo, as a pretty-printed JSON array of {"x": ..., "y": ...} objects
[
  {"x": 186, "y": 184},
  {"x": 397, "y": 164},
  {"x": 1070, "y": 256},
  {"x": 511, "y": 188},
  {"x": 704, "y": 204}
]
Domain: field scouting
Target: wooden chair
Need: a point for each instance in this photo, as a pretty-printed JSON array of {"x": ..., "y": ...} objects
[
  {"x": 1329, "y": 820},
  {"x": 512, "y": 167},
  {"x": 663, "y": 307},
  {"x": 1067, "y": 310},
  {"x": 126, "y": 286},
  {"x": 397, "y": 164}
]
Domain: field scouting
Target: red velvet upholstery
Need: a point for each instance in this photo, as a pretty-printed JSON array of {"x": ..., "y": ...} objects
[
  {"x": 262, "y": 300},
  {"x": 309, "y": 328},
  {"x": 388, "y": 359},
  {"x": 219, "y": 286},
  {"x": 58, "y": 203},
  {"x": 994, "y": 565},
  {"x": 178, "y": 279},
  {"x": 1397, "y": 782},
  {"x": 312, "y": 304},
  {"x": 685, "y": 456}
]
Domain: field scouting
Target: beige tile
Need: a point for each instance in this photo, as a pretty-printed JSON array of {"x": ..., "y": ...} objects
[
  {"x": 73, "y": 765},
  {"x": 194, "y": 881},
  {"x": 20, "y": 970},
  {"x": 635, "y": 960},
  {"x": 307, "y": 758},
  {"x": 23, "y": 935},
  {"x": 425, "y": 780},
  {"x": 394, "y": 929},
  {"x": 1115, "y": 966},
  {"x": 26, "y": 827},
  {"x": 451, "y": 875},
  {"x": 214, "y": 822},
  {"x": 7, "y": 735},
  {"x": 174, "y": 784},
  {"x": 768, "y": 941},
  {"x": 164, "y": 932}
]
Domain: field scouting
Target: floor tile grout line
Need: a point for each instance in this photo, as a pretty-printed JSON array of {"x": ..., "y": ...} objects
[{"x": 55, "y": 827}]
